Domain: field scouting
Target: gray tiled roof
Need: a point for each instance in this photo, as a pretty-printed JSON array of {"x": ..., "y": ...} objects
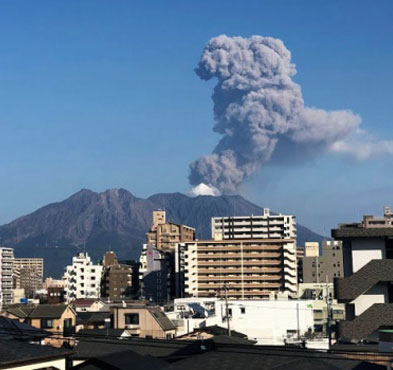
[
  {"x": 123, "y": 361},
  {"x": 10, "y": 328},
  {"x": 36, "y": 312},
  {"x": 363, "y": 326},
  {"x": 161, "y": 318},
  {"x": 362, "y": 232},
  {"x": 14, "y": 352},
  {"x": 349, "y": 288},
  {"x": 48, "y": 311}
]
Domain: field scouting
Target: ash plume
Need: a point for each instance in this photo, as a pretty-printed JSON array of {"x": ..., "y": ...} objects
[{"x": 260, "y": 113}]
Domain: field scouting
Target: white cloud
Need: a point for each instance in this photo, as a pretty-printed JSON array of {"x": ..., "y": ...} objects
[{"x": 203, "y": 189}]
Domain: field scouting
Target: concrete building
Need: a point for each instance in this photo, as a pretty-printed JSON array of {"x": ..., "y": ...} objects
[
  {"x": 266, "y": 321},
  {"x": 153, "y": 274},
  {"x": 247, "y": 268},
  {"x": 367, "y": 286},
  {"x": 311, "y": 249},
  {"x": 164, "y": 235},
  {"x": 116, "y": 282},
  {"x": 82, "y": 279},
  {"x": 321, "y": 294},
  {"x": 28, "y": 275},
  {"x": 266, "y": 226},
  {"x": 328, "y": 265},
  {"x": 6, "y": 265}
]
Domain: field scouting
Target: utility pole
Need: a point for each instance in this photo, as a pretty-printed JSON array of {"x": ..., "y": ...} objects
[
  {"x": 225, "y": 287},
  {"x": 329, "y": 313}
]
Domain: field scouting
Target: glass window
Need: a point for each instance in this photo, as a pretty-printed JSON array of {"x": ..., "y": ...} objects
[
  {"x": 242, "y": 310},
  {"x": 46, "y": 323},
  {"x": 131, "y": 318}
]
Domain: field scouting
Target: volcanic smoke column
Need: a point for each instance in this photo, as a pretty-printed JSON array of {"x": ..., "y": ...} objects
[{"x": 258, "y": 110}]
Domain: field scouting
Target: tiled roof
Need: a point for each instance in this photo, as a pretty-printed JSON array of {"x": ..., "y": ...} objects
[
  {"x": 161, "y": 318},
  {"x": 123, "y": 361},
  {"x": 10, "y": 329},
  {"x": 349, "y": 288},
  {"x": 362, "y": 232},
  {"x": 92, "y": 317},
  {"x": 35, "y": 312},
  {"x": 13, "y": 352},
  {"x": 48, "y": 311},
  {"x": 20, "y": 310},
  {"x": 207, "y": 355}
]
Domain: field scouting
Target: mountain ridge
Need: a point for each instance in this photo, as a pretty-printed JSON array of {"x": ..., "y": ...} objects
[{"x": 114, "y": 219}]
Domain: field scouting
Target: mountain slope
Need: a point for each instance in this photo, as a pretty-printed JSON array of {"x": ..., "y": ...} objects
[{"x": 114, "y": 219}]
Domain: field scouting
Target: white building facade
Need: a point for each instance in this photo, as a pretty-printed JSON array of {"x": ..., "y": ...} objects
[
  {"x": 6, "y": 266},
  {"x": 82, "y": 279},
  {"x": 246, "y": 268},
  {"x": 269, "y": 322},
  {"x": 265, "y": 226}
]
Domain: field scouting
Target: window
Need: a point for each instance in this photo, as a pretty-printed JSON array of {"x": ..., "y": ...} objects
[
  {"x": 67, "y": 323},
  {"x": 230, "y": 311},
  {"x": 242, "y": 310},
  {"x": 46, "y": 323},
  {"x": 131, "y": 318}
]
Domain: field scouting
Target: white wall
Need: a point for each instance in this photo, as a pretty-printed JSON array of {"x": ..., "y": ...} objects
[
  {"x": 377, "y": 294},
  {"x": 366, "y": 249},
  {"x": 265, "y": 321}
]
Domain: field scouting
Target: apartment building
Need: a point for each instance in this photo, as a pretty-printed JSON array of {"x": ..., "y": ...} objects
[
  {"x": 164, "y": 235},
  {"x": 116, "y": 282},
  {"x": 28, "y": 275},
  {"x": 6, "y": 265},
  {"x": 239, "y": 269},
  {"x": 325, "y": 267},
  {"x": 153, "y": 274},
  {"x": 367, "y": 286},
  {"x": 266, "y": 226},
  {"x": 82, "y": 279}
]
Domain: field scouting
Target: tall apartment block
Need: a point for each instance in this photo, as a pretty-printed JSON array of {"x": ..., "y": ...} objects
[
  {"x": 116, "y": 282},
  {"x": 246, "y": 268},
  {"x": 157, "y": 264},
  {"x": 28, "y": 275},
  {"x": 325, "y": 267},
  {"x": 153, "y": 274},
  {"x": 6, "y": 264},
  {"x": 82, "y": 279},
  {"x": 164, "y": 235},
  {"x": 367, "y": 286},
  {"x": 266, "y": 226}
]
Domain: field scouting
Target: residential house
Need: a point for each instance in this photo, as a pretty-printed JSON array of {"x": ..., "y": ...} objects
[{"x": 143, "y": 321}]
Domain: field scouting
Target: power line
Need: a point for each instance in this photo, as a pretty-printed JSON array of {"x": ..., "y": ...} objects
[{"x": 153, "y": 343}]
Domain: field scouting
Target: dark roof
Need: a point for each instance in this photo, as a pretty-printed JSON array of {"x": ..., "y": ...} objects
[
  {"x": 92, "y": 317},
  {"x": 92, "y": 347},
  {"x": 123, "y": 361},
  {"x": 351, "y": 287},
  {"x": 101, "y": 333},
  {"x": 84, "y": 302},
  {"x": 362, "y": 232},
  {"x": 36, "y": 312},
  {"x": 20, "y": 310},
  {"x": 226, "y": 339},
  {"x": 252, "y": 358},
  {"x": 208, "y": 355},
  {"x": 218, "y": 330},
  {"x": 48, "y": 311},
  {"x": 10, "y": 329},
  {"x": 14, "y": 352},
  {"x": 161, "y": 318}
]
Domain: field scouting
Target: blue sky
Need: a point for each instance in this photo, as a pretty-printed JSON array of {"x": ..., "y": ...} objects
[{"x": 102, "y": 94}]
